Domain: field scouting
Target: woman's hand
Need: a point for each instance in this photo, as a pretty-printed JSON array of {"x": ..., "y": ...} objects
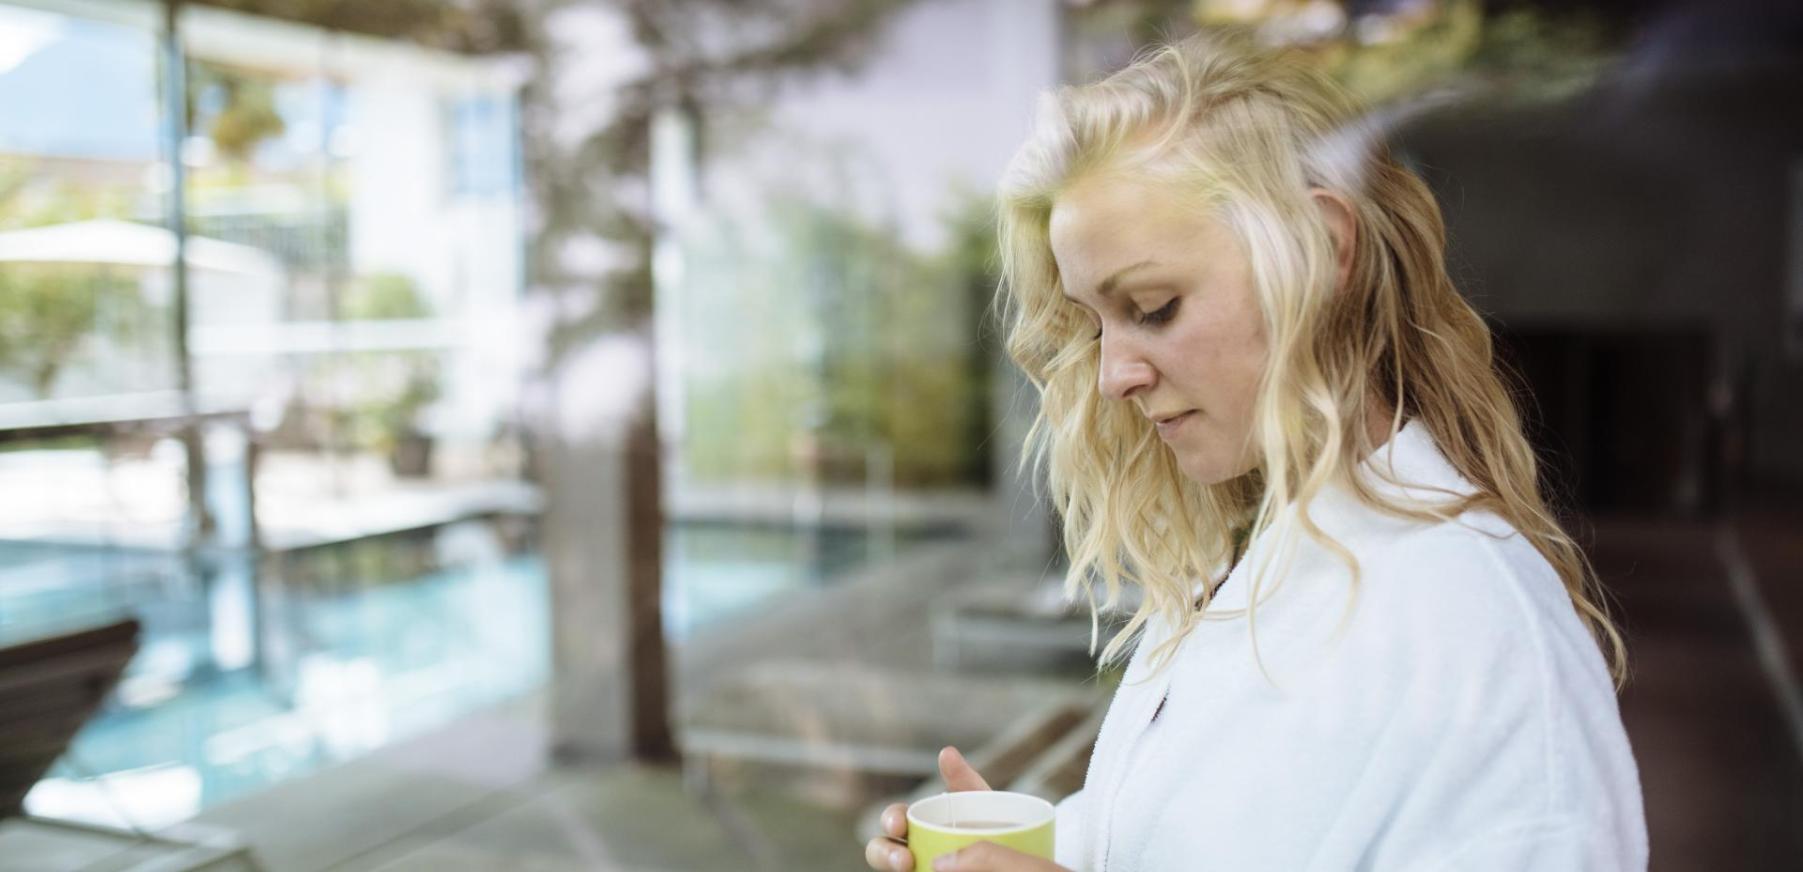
[
  {"x": 991, "y": 857},
  {"x": 890, "y": 850}
]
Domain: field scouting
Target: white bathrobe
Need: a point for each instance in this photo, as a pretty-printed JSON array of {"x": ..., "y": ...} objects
[{"x": 1462, "y": 720}]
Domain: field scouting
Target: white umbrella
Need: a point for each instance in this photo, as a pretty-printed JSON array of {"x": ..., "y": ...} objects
[{"x": 125, "y": 243}]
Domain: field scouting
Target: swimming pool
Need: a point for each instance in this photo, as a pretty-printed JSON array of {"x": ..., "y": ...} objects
[{"x": 248, "y": 676}]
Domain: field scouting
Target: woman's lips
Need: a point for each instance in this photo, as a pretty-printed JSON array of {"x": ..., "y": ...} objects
[{"x": 1169, "y": 427}]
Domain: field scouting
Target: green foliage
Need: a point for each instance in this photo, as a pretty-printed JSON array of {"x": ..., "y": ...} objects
[
  {"x": 1428, "y": 53},
  {"x": 384, "y": 296},
  {"x": 1545, "y": 55},
  {"x": 392, "y": 387},
  {"x": 54, "y": 443},
  {"x": 707, "y": 57},
  {"x": 246, "y": 115},
  {"x": 48, "y": 311},
  {"x": 826, "y": 336},
  {"x": 1523, "y": 52},
  {"x": 972, "y": 260},
  {"x": 31, "y": 197}
]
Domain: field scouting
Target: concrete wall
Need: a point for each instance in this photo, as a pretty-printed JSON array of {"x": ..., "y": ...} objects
[{"x": 1657, "y": 203}]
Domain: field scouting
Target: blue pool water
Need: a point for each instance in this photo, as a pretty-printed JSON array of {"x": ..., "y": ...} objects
[{"x": 244, "y": 678}]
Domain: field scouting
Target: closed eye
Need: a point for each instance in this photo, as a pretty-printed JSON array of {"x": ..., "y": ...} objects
[{"x": 1160, "y": 315}]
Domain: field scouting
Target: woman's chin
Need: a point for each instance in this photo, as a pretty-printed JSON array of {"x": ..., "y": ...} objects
[
  {"x": 1205, "y": 473},
  {"x": 1210, "y": 471}
]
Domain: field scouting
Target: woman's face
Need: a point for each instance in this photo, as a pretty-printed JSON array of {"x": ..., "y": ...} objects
[{"x": 1170, "y": 292}]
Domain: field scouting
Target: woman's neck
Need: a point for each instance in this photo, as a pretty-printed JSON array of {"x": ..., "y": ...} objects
[{"x": 1378, "y": 416}]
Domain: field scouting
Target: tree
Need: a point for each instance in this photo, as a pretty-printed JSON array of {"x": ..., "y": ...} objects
[
  {"x": 594, "y": 186},
  {"x": 47, "y": 311}
]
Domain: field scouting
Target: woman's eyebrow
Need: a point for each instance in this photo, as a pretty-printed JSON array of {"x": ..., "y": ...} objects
[{"x": 1109, "y": 284}]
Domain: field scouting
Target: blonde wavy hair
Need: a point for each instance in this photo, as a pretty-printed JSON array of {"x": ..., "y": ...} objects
[{"x": 1247, "y": 133}]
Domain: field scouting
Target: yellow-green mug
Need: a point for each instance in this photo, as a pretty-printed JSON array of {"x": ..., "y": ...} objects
[{"x": 940, "y": 825}]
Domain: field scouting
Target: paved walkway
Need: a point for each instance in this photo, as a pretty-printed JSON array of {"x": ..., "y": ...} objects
[{"x": 478, "y": 796}]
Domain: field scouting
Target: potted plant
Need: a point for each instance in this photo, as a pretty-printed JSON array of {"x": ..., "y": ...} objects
[{"x": 397, "y": 386}]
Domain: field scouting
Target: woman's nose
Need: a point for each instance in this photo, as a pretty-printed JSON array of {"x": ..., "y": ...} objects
[{"x": 1123, "y": 371}]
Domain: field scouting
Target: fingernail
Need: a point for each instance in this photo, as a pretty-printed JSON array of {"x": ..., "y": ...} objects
[
  {"x": 946, "y": 863},
  {"x": 900, "y": 862}
]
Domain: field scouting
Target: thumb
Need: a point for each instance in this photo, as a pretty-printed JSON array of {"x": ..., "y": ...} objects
[{"x": 958, "y": 774}]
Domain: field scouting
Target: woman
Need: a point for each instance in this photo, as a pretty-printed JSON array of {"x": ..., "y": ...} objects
[{"x": 1238, "y": 316}]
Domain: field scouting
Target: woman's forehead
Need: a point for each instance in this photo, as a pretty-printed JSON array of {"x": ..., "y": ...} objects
[{"x": 1098, "y": 230}]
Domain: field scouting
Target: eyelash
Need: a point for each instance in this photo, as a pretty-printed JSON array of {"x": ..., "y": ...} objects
[{"x": 1163, "y": 314}]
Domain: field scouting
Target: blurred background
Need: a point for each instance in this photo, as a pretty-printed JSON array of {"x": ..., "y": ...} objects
[{"x": 566, "y": 434}]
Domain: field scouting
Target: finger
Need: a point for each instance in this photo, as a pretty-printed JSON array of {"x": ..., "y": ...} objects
[
  {"x": 990, "y": 857},
  {"x": 957, "y": 771},
  {"x": 881, "y": 853},
  {"x": 973, "y": 858},
  {"x": 895, "y": 820}
]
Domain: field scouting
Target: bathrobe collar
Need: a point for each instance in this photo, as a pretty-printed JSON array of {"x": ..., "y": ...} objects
[{"x": 1409, "y": 469}]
